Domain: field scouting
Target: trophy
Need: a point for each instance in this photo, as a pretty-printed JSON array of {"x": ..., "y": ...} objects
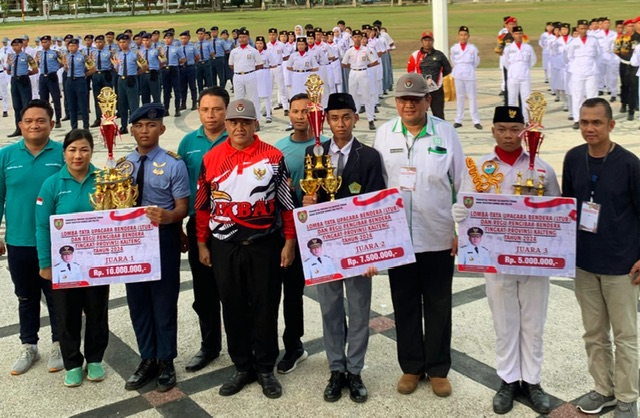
[
  {"x": 114, "y": 184},
  {"x": 533, "y": 138},
  {"x": 320, "y": 173}
]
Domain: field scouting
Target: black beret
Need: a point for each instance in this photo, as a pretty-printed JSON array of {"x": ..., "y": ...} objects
[
  {"x": 224, "y": 31},
  {"x": 88, "y": 37},
  {"x": 273, "y": 30},
  {"x": 146, "y": 36},
  {"x": 110, "y": 33},
  {"x": 171, "y": 30},
  {"x": 243, "y": 32},
  {"x": 260, "y": 38},
  {"x": 168, "y": 34},
  {"x": 99, "y": 38},
  {"x": 339, "y": 101},
  {"x": 17, "y": 41},
  {"x": 74, "y": 41},
  {"x": 123, "y": 37},
  {"x": 201, "y": 30},
  {"x": 155, "y": 32},
  {"x": 45, "y": 38},
  {"x": 311, "y": 34},
  {"x": 185, "y": 33},
  {"x": 517, "y": 29},
  {"x": 151, "y": 111},
  {"x": 128, "y": 31},
  {"x": 463, "y": 29},
  {"x": 582, "y": 22},
  {"x": 508, "y": 114},
  {"x": 214, "y": 28},
  {"x": 68, "y": 36}
]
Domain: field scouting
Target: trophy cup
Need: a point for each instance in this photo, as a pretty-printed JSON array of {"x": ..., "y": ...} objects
[
  {"x": 320, "y": 173},
  {"x": 533, "y": 138},
  {"x": 114, "y": 185}
]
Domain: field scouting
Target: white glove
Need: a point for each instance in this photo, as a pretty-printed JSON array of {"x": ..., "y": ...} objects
[{"x": 459, "y": 212}]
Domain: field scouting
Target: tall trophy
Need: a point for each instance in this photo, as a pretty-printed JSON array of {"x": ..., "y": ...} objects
[
  {"x": 114, "y": 184},
  {"x": 533, "y": 138},
  {"x": 320, "y": 173}
]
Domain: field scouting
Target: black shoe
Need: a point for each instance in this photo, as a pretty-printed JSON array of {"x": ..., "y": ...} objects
[
  {"x": 177, "y": 114},
  {"x": 557, "y": 99},
  {"x": 286, "y": 113},
  {"x": 5, "y": 114},
  {"x": 537, "y": 398},
  {"x": 271, "y": 388},
  {"x": 237, "y": 382},
  {"x": 333, "y": 391},
  {"x": 457, "y": 125},
  {"x": 375, "y": 110},
  {"x": 385, "y": 93},
  {"x": 503, "y": 399},
  {"x": 600, "y": 93},
  {"x": 502, "y": 93},
  {"x": 613, "y": 99},
  {"x": 95, "y": 124},
  {"x": 623, "y": 109},
  {"x": 361, "y": 109},
  {"x": 357, "y": 390},
  {"x": 183, "y": 107},
  {"x": 570, "y": 118},
  {"x": 291, "y": 359},
  {"x": 289, "y": 127},
  {"x": 146, "y": 371},
  {"x": 478, "y": 126},
  {"x": 576, "y": 125},
  {"x": 372, "y": 126},
  {"x": 278, "y": 107},
  {"x": 630, "y": 116},
  {"x": 15, "y": 133},
  {"x": 200, "y": 360},
  {"x": 166, "y": 376},
  {"x": 66, "y": 118},
  {"x": 124, "y": 130},
  {"x": 58, "y": 125},
  {"x": 194, "y": 106}
]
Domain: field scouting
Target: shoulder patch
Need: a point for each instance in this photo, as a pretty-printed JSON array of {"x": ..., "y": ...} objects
[
  {"x": 121, "y": 160},
  {"x": 173, "y": 154}
]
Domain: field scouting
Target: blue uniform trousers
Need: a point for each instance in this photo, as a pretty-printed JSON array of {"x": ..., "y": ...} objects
[
  {"x": 101, "y": 79},
  {"x": 75, "y": 90},
  {"x": 188, "y": 78},
  {"x": 128, "y": 97},
  {"x": 150, "y": 86},
  {"x": 48, "y": 86},
  {"x": 171, "y": 81},
  {"x": 218, "y": 71},
  {"x": 153, "y": 306},
  {"x": 203, "y": 75},
  {"x": 20, "y": 95}
]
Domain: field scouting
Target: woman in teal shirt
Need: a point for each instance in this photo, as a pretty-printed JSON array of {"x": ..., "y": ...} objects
[{"x": 68, "y": 192}]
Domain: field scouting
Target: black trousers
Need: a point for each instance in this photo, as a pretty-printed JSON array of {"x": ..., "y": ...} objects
[
  {"x": 153, "y": 306},
  {"x": 248, "y": 279},
  {"x": 206, "y": 301},
  {"x": 417, "y": 289},
  {"x": 624, "y": 84},
  {"x": 20, "y": 95},
  {"x": 293, "y": 289},
  {"x": 171, "y": 82},
  {"x": 69, "y": 305},
  {"x": 48, "y": 86},
  {"x": 218, "y": 73},
  {"x": 632, "y": 90},
  {"x": 437, "y": 103},
  {"x": 203, "y": 75},
  {"x": 188, "y": 79}
]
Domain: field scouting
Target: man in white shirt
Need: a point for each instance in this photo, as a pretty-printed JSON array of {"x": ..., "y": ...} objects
[
  {"x": 608, "y": 63},
  {"x": 358, "y": 59},
  {"x": 582, "y": 54},
  {"x": 464, "y": 58},
  {"x": 519, "y": 58},
  {"x": 244, "y": 61}
]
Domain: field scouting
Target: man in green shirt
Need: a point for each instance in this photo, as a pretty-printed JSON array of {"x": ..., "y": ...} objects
[
  {"x": 24, "y": 166},
  {"x": 293, "y": 148},
  {"x": 212, "y": 108}
]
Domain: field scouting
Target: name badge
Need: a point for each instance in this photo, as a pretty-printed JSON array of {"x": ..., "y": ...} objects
[
  {"x": 408, "y": 177},
  {"x": 589, "y": 215}
]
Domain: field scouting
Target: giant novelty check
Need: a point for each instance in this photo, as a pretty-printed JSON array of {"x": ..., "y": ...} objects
[
  {"x": 104, "y": 247},
  {"x": 340, "y": 239},
  {"x": 522, "y": 235}
]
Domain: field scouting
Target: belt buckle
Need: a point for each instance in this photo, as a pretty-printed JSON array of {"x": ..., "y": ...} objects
[
  {"x": 246, "y": 242},
  {"x": 123, "y": 77}
]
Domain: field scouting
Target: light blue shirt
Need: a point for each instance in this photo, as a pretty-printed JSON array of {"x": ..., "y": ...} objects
[
  {"x": 20, "y": 60},
  {"x": 189, "y": 52},
  {"x": 75, "y": 66},
  {"x": 151, "y": 55},
  {"x": 219, "y": 46},
  {"x": 132, "y": 66},
  {"x": 103, "y": 60},
  {"x": 203, "y": 48},
  {"x": 51, "y": 58},
  {"x": 174, "y": 54}
]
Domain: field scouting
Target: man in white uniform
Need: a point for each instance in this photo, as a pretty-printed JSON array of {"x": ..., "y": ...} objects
[
  {"x": 278, "y": 54},
  {"x": 519, "y": 58},
  {"x": 244, "y": 61},
  {"x": 608, "y": 64},
  {"x": 582, "y": 54},
  {"x": 473, "y": 253},
  {"x": 518, "y": 303},
  {"x": 317, "y": 265},
  {"x": 67, "y": 270},
  {"x": 357, "y": 59},
  {"x": 4, "y": 78},
  {"x": 465, "y": 58}
]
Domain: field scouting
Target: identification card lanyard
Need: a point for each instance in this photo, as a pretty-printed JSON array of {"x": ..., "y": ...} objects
[
  {"x": 590, "y": 211},
  {"x": 409, "y": 173}
]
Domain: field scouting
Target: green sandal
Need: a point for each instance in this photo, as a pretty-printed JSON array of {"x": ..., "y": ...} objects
[{"x": 73, "y": 377}]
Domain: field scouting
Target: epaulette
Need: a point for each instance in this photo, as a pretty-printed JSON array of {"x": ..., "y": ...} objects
[
  {"x": 121, "y": 160},
  {"x": 173, "y": 154}
]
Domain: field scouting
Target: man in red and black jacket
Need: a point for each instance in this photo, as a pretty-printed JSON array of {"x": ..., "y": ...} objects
[{"x": 245, "y": 204}]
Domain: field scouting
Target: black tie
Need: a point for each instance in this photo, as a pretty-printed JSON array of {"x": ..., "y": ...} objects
[
  {"x": 215, "y": 54},
  {"x": 340, "y": 163},
  {"x": 73, "y": 65},
  {"x": 319, "y": 260},
  {"x": 201, "y": 52},
  {"x": 15, "y": 66},
  {"x": 140, "y": 179},
  {"x": 69, "y": 266},
  {"x": 146, "y": 55},
  {"x": 99, "y": 60},
  {"x": 476, "y": 248},
  {"x": 184, "y": 51},
  {"x": 124, "y": 70},
  {"x": 46, "y": 68}
]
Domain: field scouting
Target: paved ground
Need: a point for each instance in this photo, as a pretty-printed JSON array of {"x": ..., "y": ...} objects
[{"x": 565, "y": 376}]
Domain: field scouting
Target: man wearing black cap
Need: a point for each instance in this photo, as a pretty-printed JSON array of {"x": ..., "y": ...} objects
[
  {"x": 150, "y": 80},
  {"x": 238, "y": 204},
  {"x": 163, "y": 186},
  {"x": 424, "y": 153},
  {"x": 543, "y": 42},
  {"x": 19, "y": 67},
  {"x": 49, "y": 66},
  {"x": 103, "y": 77},
  {"x": 244, "y": 61},
  {"x": 278, "y": 56},
  {"x": 128, "y": 85},
  {"x": 432, "y": 64},
  {"x": 608, "y": 63},
  {"x": 465, "y": 57},
  {"x": 358, "y": 59},
  {"x": 518, "y": 303},
  {"x": 518, "y": 59},
  {"x": 188, "y": 71},
  {"x": 76, "y": 85},
  {"x": 473, "y": 253},
  {"x": 220, "y": 48},
  {"x": 203, "y": 66},
  {"x": 174, "y": 58},
  {"x": 67, "y": 269},
  {"x": 360, "y": 167}
]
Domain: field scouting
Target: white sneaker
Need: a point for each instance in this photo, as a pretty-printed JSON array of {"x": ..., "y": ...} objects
[
  {"x": 55, "y": 361},
  {"x": 28, "y": 356}
]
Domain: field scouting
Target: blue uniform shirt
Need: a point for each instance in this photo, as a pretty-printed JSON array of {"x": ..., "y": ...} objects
[
  {"x": 174, "y": 54},
  {"x": 189, "y": 52},
  {"x": 22, "y": 60},
  {"x": 219, "y": 46},
  {"x": 103, "y": 60},
  {"x": 75, "y": 67},
  {"x": 51, "y": 58},
  {"x": 165, "y": 178},
  {"x": 132, "y": 66},
  {"x": 176, "y": 42},
  {"x": 203, "y": 48},
  {"x": 151, "y": 55}
]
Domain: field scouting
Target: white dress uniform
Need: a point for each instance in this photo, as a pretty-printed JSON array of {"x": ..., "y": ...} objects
[
  {"x": 608, "y": 63},
  {"x": 518, "y": 303},
  {"x": 544, "y": 43},
  {"x": 322, "y": 58},
  {"x": 278, "y": 53},
  {"x": 290, "y": 48},
  {"x": 359, "y": 84},
  {"x": 375, "y": 73},
  {"x": 4, "y": 78},
  {"x": 265, "y": 82},
  {"x": 300, "y": 67},
  {"x": 635, "y": 62},
  {"x": 244, "y": 61},
  {"x": 465, "y": 60},
  {"x": 315, "y": 267},
  {"x": 559, "y": 68},
  {"x": 335, "y": 69},
  {"x": 67, "y": 272},
  {"x": 474, "y": 256},
  {"x": 518, "y": 62},
  {"x": 582, "y": 56}
]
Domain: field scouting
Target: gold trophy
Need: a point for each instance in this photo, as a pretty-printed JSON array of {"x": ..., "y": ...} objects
[
  {"x": 89, "y": 63},
  {"x": 320, "y": 174},
  {"x": 114, "y": 184},
  {"x": 533, "y": 138}
]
